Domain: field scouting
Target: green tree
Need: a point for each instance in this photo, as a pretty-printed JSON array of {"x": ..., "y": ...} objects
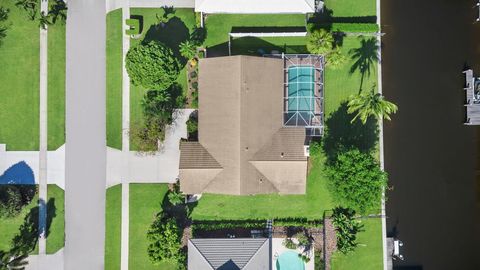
[
  {"x": 152, "y": 65},
  {"x": 370, "y": 104},
  {"x": 188, "y": 49},
  {"x": 14, "y": 197},
  {"x": 175, "y": 196},
  {"x": 320, "y": 42},
  {"x": 346, "y": 227},
  {"x": 58, "y": 11},
  {"x": 356, "y": 181},
  {"x": 336, "y": 58},
  {"x": 365, "y": 57},
  {"x": 164, "y": 241},
  {"x": 12, "y": 261}
]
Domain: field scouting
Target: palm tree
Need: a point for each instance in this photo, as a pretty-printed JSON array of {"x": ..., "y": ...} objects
[
  {"x": 12, "y": 261},
  {"x": 188, "y": 49},
  {"x": 336, "y": 58},
  {"x": 365, "y": 56},
  {"x": 44, "y": 20},
  {"x": 370, "y": 104},
  {"x": 320, "y": 42}
]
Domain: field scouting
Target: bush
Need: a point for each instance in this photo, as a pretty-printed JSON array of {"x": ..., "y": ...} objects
[
  {"x": 320, "y": 42},
  {"x": 14, "y": 197},
  {"x": 303, "y": 239},
  {"x": 164, "y": 241},
  {"x": 288, "y": 243},
  {"x": 175, "y": 196},
  {"x": 152, "y": 65},
  {"x": 356, "y": 181},
  {"x": 346, "y": 228}
]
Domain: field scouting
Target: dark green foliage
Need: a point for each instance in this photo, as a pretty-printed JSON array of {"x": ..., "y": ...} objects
[
  {"x": 319, "y": 263},
  {"x": 12, "y": 260},
  {"x": 356, "y": 181},
  {"x": 58, "y": 11},
  {"x": 303, "y": 239},
  {"x": 254, "y": 223},
  {"x": 192, "y": 126},
  {"x": 348, "y": 27},
  {"x": 165, "y": 241},
  {"x": 152, "y": 65},
  {"x": 14, "y": 197},
  {"x": 3, "y": 27},
  {"x": 44, "y": 20},
  {"x": 30, "y": 6},
  {"x": 315, "y": 148},
  {"x": 175, "y": 196},
  {"x": 346, "y": 228},
  {"x": 4, "y": 14},
  {"x": 288, "y": 243}
]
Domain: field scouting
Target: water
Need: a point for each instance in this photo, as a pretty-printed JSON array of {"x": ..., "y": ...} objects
[{"x": 431, "y": 156}]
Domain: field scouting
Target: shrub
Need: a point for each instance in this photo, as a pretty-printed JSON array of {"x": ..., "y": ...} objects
[
  {"x": 346, "y": 228},
  {"x": 303, "y": 239},
  {"x": 175, "y": 196},
  {"x": 304, "y": 258},
  {"x": 288, "y": 243},
  {"x": 14, "y": 197},
  {"x": 164, "y": 241},
  {"x": 152, "y": 65},
  {"x": 356, "y": 180},
  {"x": 320, "y": 42}
]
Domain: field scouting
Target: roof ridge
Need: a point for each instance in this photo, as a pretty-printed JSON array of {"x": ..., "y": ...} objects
[
  {"x": 255, "y": 253},
  {"x": 201, "y": 253},
  {"x": 217, "y": 164}
]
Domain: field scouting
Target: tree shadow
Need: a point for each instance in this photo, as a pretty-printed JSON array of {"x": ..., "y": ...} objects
[
  {"x": 365, "y": 57},
  {"x": 140, "y": 21},
  {"x": 341, "y": 134},
  {"x": 25, "y": 241},
  {"x": 325, "y": 19},
  {"x": 171, "y": 34}
]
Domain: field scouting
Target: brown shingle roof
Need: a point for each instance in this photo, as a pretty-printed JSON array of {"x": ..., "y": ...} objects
[
  {"x": 241, "y": 120},
  {"x": 194, "y": 156}
]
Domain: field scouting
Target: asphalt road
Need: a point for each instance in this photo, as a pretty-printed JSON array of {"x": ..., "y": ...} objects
[
  {"x": 431, "y": 156},
  {"x": 85, "y": 152}
]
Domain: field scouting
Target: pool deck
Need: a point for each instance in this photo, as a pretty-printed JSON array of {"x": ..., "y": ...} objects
[{"x": 278, "y": 248}]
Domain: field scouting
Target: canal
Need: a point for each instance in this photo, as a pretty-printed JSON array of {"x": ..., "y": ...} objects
[{"x": 433, "y": 205}]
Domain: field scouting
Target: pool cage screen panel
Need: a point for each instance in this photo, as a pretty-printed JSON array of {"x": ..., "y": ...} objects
[{"x": 304, "y": 92}]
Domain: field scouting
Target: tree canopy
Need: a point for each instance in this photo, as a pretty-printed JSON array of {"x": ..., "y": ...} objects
[
  {"x": 152, "y": 65},
  {"x": 164, "y": 238},
  {"x": 14, "y": 197},
  {"x": 346, "y": 227},
  {"x": 370, "y": 104},
  {"x": 320, "y": 42},
  {"x": 356, "y": 181}
]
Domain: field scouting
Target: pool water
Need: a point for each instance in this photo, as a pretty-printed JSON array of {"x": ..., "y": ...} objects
[
  {"x": 301, "y": 85},
  {"x": 289, "y": 260}
]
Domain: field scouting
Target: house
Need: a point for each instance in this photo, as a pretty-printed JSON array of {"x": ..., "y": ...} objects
[
  {"x": 229, "y": 254},
  {"x": 252, "y": 127}
]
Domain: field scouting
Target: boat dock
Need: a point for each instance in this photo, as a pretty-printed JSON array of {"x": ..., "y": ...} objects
[{"x": 472, "y": 98}]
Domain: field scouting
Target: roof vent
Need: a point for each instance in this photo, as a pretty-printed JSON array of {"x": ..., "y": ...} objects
[{"x": 282, "y": 154}]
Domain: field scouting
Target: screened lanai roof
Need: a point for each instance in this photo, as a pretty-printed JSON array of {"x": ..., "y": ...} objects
[{"x": 255, "y": 6}]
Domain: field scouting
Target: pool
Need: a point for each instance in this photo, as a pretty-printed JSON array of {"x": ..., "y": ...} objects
[
  {"x": 301, "y": 85},
  {"x": 289, "y": 260}
]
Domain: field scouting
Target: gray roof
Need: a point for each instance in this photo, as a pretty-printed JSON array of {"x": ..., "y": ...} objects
[{"x": 229, "y": 254}]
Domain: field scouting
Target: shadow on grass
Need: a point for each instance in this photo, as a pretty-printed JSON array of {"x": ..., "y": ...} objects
[
  {"x": 171, "y": 34},
  {"x": 25, "y": 241},
  {"x": 343, "y": 135},
  {"x": 366, "y": 57},
  {"x": 325, "y": 18}
]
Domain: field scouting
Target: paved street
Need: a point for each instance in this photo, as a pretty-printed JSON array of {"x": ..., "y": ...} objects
[{"x": 85, "y": 151}]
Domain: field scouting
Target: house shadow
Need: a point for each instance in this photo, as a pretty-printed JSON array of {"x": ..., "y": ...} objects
[
  {"x": 171, "y": 34},
  {"x": 325, "y": 19},
  {"x": 19, "y": 173},
  {"x": 341, "y": 134}
]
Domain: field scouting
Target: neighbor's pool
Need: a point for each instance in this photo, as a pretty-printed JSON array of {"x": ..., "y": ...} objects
[{"x": 289, "y": 260}]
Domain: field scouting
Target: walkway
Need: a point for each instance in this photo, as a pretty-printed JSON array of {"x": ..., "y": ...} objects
[
  {"x": 85, "y": 150},
  {"x": 42, "y": 188}
]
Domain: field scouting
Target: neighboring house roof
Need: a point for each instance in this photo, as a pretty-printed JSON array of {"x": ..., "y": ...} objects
[
  {"x": 229, "y": 254},
  {"x": 255, "y": 7},
  {"x": 243, "y": 147}
]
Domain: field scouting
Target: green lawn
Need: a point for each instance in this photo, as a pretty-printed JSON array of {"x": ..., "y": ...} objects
[
  {"x": 352, "y": 8},
  {"x": 175, "y": 31},
  {"x": 114, "y": 79},
  {"x": 19, "y": 82},
  {"x": 368, "y": 254},
  {"x": 10, "y": 226},
  {"x": 56, "y": 86},
  {"x": 113, "y": 221},
  {"x": 219, "y": 25},
  {"x": 55, "y": 212},
  {"x": 145, "y": 203},
  {"x": 252, "y": 45}
]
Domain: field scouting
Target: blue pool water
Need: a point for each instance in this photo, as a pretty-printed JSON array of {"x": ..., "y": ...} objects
[{"x": 289, "y": 260}]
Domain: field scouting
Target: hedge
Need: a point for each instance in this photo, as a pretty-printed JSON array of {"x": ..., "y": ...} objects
[
  {"x": 347, "y": 27},
  {"x": 254, "y": 223}
]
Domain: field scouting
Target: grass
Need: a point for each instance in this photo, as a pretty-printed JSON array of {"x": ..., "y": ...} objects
[
  {"x": 113, "y": 221},
  {"x": 352, "y": 8},
  {"x": 56, "y": 86},
  {"x": 114, "y": 79},
  {"x": 368, "y": 254},
  {"x": 311, "y": 205},
  {"x": 251, "y": 45},
  {"x": 146, "y": 200},
  {"x": 176, "y": 30},
  {"x": 56, "y": 211},
  {"x": 19, "y": 81},
  {"x": 10, "y": 226}
]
